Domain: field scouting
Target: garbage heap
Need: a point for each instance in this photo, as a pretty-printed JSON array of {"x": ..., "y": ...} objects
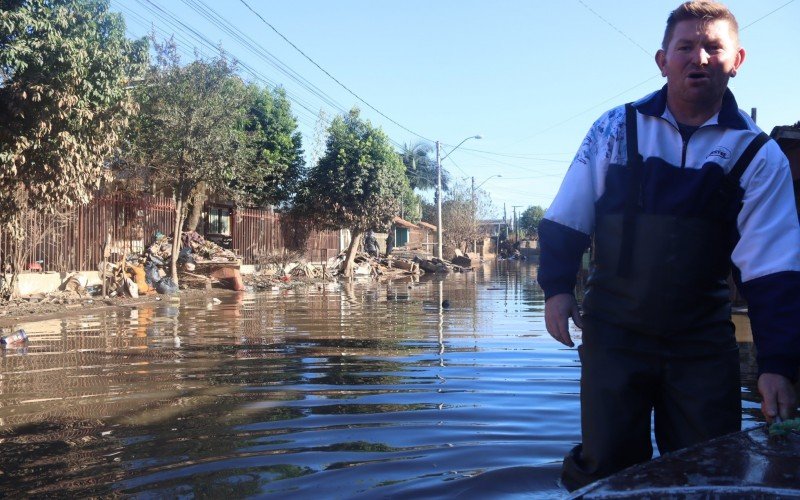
[
  {"x": 391, "y": 267},
  {"x": 201, "y": 263},
  {"x": 276, "y": 275}
]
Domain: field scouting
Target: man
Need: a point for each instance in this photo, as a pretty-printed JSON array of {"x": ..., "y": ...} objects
[
  {"x": 673, "y": 189},
  {"x": 371, "y": 244}
]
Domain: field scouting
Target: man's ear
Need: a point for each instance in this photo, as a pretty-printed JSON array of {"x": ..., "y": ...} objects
[
  {"x": 661, "y": 61},
  {"x": 740, "y": 54}
]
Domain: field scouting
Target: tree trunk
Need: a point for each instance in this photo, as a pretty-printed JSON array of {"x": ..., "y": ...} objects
[
  {"x": 180, "y": 203},
  {"x": 4, "y": 293},
  {"x": 16, "y": 229},
  {"x": 19, "y": 256},
  {"x": 13, "y": 289},
  {"x": 198, "y": 200},
  {"x": 355, "y": 239}
]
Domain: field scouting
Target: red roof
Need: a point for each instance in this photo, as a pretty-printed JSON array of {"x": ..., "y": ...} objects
[{"x": 397, "y": 221}]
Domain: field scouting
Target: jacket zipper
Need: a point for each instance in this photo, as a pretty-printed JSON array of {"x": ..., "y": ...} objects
[
  {"x": 685, "y": 147},
  {"x": 685, "y": 142}
]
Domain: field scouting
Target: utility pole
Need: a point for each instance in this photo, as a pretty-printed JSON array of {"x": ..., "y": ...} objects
[
  {"x": 514, "y": 218},
  {"x": 473, "y": 191},
  {"x": 439, "y": 159},
  {"x": 505, "y": 218},
  {"x": 474, "y": 222},
  {"x": 438, "y": 203},
  {"x": 516, "y": 227}
]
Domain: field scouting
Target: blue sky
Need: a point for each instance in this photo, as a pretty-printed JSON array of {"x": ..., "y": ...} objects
[{"x": 529, "y": 76}]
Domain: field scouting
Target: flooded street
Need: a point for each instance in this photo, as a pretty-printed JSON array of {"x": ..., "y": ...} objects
[{"x": 342, "y": 391}]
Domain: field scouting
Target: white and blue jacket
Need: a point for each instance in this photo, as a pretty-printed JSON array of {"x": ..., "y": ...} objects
[{"x": 766, "y": 255}]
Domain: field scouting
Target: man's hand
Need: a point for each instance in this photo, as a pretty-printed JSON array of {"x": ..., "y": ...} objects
[
  {"x": 777, "y": 396},
  {"x": 557, "y": 311}
]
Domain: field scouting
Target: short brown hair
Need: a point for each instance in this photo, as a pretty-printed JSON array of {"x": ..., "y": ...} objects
[{"x": 705, "y": 10}]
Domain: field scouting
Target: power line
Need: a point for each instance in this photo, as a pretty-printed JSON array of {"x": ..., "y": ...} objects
[
  {"x": 253, "y": 46},
  {"x": 307, "y": 109},
  {"x": 523, "y": 156},
  {"x": 174, "y": 23},
  {"x": 586, "y": 110},
  {"x": 247, "y": 42},
  {"x": 504, "y": 178},
  {"x": 330, "y": 75},
  {"x": 638, "y": 84},
  {"x": 458, "y": 166},
  {"x": 615, "y": 28},
  {"x": 766, "y": 15}
]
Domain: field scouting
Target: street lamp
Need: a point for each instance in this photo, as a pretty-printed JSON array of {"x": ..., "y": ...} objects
[
  {"x": 475, "y": 207},
  {"x": 439, "y": 190}
]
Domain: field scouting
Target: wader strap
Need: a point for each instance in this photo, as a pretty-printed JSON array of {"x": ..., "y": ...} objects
[
  {"x": 730, "y": 183},
  {"x": 747, "y": 157},
  {"x": 634, "y": 201}
]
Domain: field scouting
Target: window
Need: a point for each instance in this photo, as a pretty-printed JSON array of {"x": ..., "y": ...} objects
[
  {"x": 219, "y": 221},
  {"x": 401, "y": 237}
]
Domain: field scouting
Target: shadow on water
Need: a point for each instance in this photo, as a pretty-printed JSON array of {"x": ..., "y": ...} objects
[{"x": 348, "y": 390}]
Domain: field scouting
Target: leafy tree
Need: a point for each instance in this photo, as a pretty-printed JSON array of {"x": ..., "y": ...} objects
[
  {"x": 530, "y": 219},
  {"x": 359, "y": 182},
  {"x": 190, "y": 129},
  {"x": 278, "y": 164},
  {"x": 461, "y": 209},
  {"x": 428, "y": 212},
  {"x": 411, "y": 206},
  {"x": 421, "y": 167},
  {"x": 64, "y": 69}
]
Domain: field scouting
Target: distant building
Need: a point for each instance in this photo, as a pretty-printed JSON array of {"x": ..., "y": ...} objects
[
  {"x": 493, "y": 227},
  {"x": 412, "y": 236}
]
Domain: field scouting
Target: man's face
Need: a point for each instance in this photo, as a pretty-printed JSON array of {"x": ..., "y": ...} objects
[{"x": 698, "y": 62}]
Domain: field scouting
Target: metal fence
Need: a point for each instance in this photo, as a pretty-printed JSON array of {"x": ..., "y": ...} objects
[
  {"x": 254, "y": 234},
  {"x": 323, "y": 245},
  {"x": 261, "y": 235},
  {"x": 74, "y": 239}
]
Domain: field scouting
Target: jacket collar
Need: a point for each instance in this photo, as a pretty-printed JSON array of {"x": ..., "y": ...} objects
[{"x": 729, "y": 116}]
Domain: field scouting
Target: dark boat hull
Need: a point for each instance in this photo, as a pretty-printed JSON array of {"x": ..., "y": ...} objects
[{"x": 746, "y": 464}]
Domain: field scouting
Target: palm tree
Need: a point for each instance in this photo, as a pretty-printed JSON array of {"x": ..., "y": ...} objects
[{"x": 420, "y": 167}]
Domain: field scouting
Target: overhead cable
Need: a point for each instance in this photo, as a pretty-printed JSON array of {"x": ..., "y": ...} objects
[
  {"x": 330, "y": 75},
  {"x": 616, "y": 29}
]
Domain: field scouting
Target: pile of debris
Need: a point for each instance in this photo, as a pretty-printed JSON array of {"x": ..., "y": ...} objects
[
  {"x": 194, "y": 248},
  {"x": 131, "y": 276},
  {"x": 201, "y": 263},
  {"x": 40, "y": 304},
  {"x": 392, "y": 267},
  {"x": 468, "y": 260},
  {"x": 280, "y": 275},
  {"x": 58, "y": 297},
  {"x": 277, "y": 276}
]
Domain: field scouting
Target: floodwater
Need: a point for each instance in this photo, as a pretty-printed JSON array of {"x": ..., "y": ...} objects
[{"x": 344, "y": 391}]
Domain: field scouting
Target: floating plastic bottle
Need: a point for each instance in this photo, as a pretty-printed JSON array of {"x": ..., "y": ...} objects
[{"x": 17, "y": 337}]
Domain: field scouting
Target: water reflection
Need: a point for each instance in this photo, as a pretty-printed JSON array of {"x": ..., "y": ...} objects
[{"x": 341, "y": 390}]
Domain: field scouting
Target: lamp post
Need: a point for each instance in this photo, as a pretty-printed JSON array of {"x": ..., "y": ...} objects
[
  {"x": 439, "y": 190},
  {"x": 475, "y": 207}
]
